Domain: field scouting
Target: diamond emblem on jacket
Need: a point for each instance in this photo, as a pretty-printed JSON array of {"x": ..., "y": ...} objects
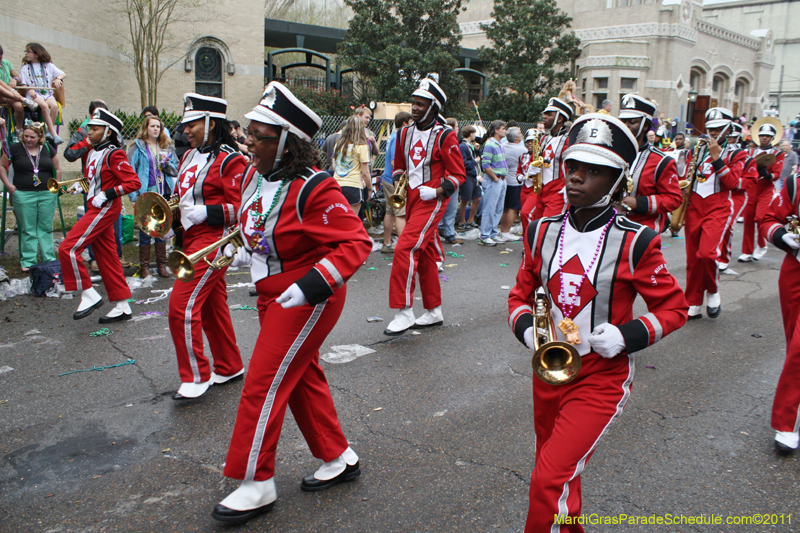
[
  {"x": 417, "y": 153},
  {"x": 572, "y": 272}
]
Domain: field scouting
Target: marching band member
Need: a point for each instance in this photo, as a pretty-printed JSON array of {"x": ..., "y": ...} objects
[
  {"x": 110, "y": 177},
  {"x": 738, "y": 195},
  {"x": 552, "y": 200},
  {"x": 760, "y": 194},
  {"x": 303, "y": 243},
  {"x": 208, "y": 185},
  {"x": 719, "y": 170},
  {"x": 786, "y": 405},
  {"x": 591, "y": 265},
  {"x": 655, "y": 192},
  {"x": 428, "y": 151},
  {"x": 526, "y": 172}
]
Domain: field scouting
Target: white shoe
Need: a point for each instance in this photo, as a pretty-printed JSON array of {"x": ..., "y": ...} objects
[
  {"x": 740, "y": 220},
  {"x": 337, "y": 466},
  {"x": 216, "y": 379},
  {"x": 251, "y": 495},
  {"x": 487, "y": 242},
  {"x": 745, "y": 258},
  {"x": 722, "y": 266},
  {"x": 759, "y": 253},
  {"x": 432, "y": 317},
  {"x": 403, "y": 320},
  {"x": 191, "y": 390},
  {"x": 439, "y": 266},
  {"x": 695, "y": 311},
  {"x": 713, "y": 300},
  {"x": 89, "y": 297},
  {"x": 30, "y": 104},
  {"x": 788, "y": 439},
  {"x": 121, "y": 311},
  {"x": 509, "y": 237}
]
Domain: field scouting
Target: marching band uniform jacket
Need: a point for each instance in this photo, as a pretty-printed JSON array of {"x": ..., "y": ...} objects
[
  {"x": 551, "y": 201},
  {"x": 655, "y": 187}
]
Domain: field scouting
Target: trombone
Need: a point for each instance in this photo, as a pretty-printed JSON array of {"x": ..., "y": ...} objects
[
  {"x": 398, "y": 199},
  {"x": 182, "y": 265},
  {"x": 554, "y": 362},
  {"x": 154, "y": 214},
  {"x": 55, "y": 186}
]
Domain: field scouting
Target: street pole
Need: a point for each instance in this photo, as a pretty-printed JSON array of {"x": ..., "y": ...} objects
[{"x": 780, "y": 90}]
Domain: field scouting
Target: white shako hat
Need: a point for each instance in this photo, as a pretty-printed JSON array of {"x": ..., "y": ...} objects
[
  {"x": 430, "y": 90},
  {"x": 559, "y": 106},
  {"x": 736, "y": 130},
  {"x": 104, "y": 117},
  {"x": 634, "y": 106},
  {"x": 532, "y": 134},
  {"x": 601, "y": 139},
  {"x": 279, "y": 107},
  {"x": 767, "y": 129},
  {"x": 197, "y": 106},
  {"x": 718, "y": 117}
]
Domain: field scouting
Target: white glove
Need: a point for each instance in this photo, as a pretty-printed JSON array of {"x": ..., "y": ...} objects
[
  {"x": 532, "y": 170},
  {"x": 791, "y": 240},
  {"x": 75, "y": 189},
  {"x": 99, "y": 199},
  {"x": 170, "y": 234},
  {"x": 607, "y": 340},
  {"x": 528, "y": 336},
  {"x": 292, "y": 297},
  {"x": 241, "y": 257},
  {"x": 426, "y": 193},
  {"x": 196, "y": 213}
]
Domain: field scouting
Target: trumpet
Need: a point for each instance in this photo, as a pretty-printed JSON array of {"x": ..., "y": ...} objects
[
  {"x": 182, "y": 265},
  {"x": 679, "y": 215},
  {"x": 793, "y": 226},
  {"x": 398, "y": 199},
  {"x": 554, "y": 362},
  {"x": 154, "y": 214},
  {"x": 55, "y": 186}
]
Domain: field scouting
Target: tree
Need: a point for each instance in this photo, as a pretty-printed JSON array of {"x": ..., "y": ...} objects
[
  {"x": 529, "y": 58},
  {"x": 392, "y": 44}
]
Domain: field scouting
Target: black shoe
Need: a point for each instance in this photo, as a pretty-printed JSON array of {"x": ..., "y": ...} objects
[
  {"x": 312, "y": 484},
  {"x": 694, "y": 317},
  {"x": 783, "y": 449},
  {"x": 112, "y": 319},
  {"x": 77, "y": 315},
  {"x": 253, "y": 292},
  {"x": 231, "y": 516},
  {"x": 714, "y": 312},
  {"x": 180, "y": 397}
]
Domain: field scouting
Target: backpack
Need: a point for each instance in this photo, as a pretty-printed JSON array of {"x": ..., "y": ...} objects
[{"x": 44, "y": 277}]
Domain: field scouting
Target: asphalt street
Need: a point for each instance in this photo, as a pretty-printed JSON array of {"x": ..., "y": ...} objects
[{"x": 442, "y": 420}]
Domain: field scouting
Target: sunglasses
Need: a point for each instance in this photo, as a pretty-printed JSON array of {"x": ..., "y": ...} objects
[{"x": 258, "y": 137}]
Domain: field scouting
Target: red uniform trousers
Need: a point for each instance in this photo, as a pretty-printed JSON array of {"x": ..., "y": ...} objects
[
  {"x": 525, "y": 196},
  {"x": 285, "y": 369},
  {"x": 415, "y": 252},
  {"x": 739, "y": 199},
  {"x": 759, "y": 196},
  {"x": 786, "y": 406},
  {"x": 202, "y": 305},
  {"x": 706, "y": 221},
  {"x": 96, "y": 227},
  {"x": 549, "y": 203},
  {"x": 569, "y": 421}
]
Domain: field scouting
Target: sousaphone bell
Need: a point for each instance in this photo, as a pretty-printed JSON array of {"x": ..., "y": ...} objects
[{"x": 154, "y": 214}]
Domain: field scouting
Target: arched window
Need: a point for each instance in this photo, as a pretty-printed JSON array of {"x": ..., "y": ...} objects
[{"x": 208, "y": 72}]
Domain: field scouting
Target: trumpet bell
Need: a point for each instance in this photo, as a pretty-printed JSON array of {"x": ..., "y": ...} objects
[
  {"x": 556, "y": 363},
  {"x": 153, "y": 214},
  {"x": 56, "y": 186},
  {"x": 397, "y": 201},
  {"x": 181, "y": 266}
]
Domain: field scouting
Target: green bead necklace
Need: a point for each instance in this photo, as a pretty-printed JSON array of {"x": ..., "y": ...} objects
[{"x": 259, "y": 219}]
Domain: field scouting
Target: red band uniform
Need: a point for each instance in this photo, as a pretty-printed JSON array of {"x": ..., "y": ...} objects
[
  {"x": 740, "y": 199},
  {"x": 760, "y": 192},
  {"x": 655, "y": 187},
  {"x": 786, "y": 405},
  {"x": 527, "y": 174},
  {"x": 571, "y": 419},
  {"x": 209, "y": 178},
  {"x": 108, "y": 171}
]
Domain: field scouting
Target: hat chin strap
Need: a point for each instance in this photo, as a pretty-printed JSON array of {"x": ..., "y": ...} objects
[
  {"x": 641, "y": 125},
  {"x": 105, "y": 135},
  {"x": 205, "y": 133},
  {"x": 606, "y": 199},
  {"x": 428, "y": 112},
  {"x": 281, "y": 144}
]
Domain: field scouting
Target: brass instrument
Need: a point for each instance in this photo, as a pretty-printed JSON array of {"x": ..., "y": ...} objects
[
  {"x": 772, "y": 121},
  {"x": 398, "y": 199},
  {"x": 554, "y": 362},
  {"x": 182, "y": 265},
  {"x": 154, "y": 214},
  {"x": 55, "y": 186},
  {"x": 537, "y": 160},
  {"x": 793, "y": 226},
  {"x": 679, "y": 215}
]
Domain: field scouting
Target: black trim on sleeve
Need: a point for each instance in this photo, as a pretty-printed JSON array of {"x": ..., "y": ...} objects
[
  {"x": 718, "y": 165},
  {"x": 642, "y": 205},
  {"x": 306, "y": 191},
  {"x": 110, "y": 193},
  {"x": 216, "y": 215},
  {"x": 314, "y": 287},
  {"x": 661, "y": 167},
  {"x": 777, "y": 239},
  {"x": 641, "y": 244},
  {"x": 448, "y": 188},
  {"x": 635, "y": 334},
  {"x": 524, "y": 321}
]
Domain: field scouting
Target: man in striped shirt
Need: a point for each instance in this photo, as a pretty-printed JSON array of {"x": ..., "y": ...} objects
[{"x": 495, "y": 168}]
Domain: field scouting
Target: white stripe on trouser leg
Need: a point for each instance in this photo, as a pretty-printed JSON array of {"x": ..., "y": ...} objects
[
  {"x": 73, "y": 257},
  {"x": 797, "y": 420},
  {"x": 266, "y": 410},
  {"x": 626, "y": 388},
  {"x": 415, "y": 248},
  {"x": 187, "y": 323}
]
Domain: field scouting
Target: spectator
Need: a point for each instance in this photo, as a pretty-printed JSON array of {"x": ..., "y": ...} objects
[
  {"x": 447, "y": 227},
  {"x": 152, "y": 111},
  {"x": 540, "y": 126},
  {"x": 34, "y": 162},
  {"x": 327, "y": 147},
  {"x": 39, "y": 71},
  {"x": 789, "y": 164},
  {"x": 470, "y": 190},
  {"x": 351, "y": 162},
  {"x": 514, "y": 149},
  {"x": 366, "y": 115},
  {"x": 607, "y": 106},
  {"x": 651, "y": 137},
  {"x": 236, "y": 133},
  {"x": 495, "y": 168},
  {"x": 394, "y": 218},
  {"x": 10, "y": 97},
  {"x": 153, "y": 158}
]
